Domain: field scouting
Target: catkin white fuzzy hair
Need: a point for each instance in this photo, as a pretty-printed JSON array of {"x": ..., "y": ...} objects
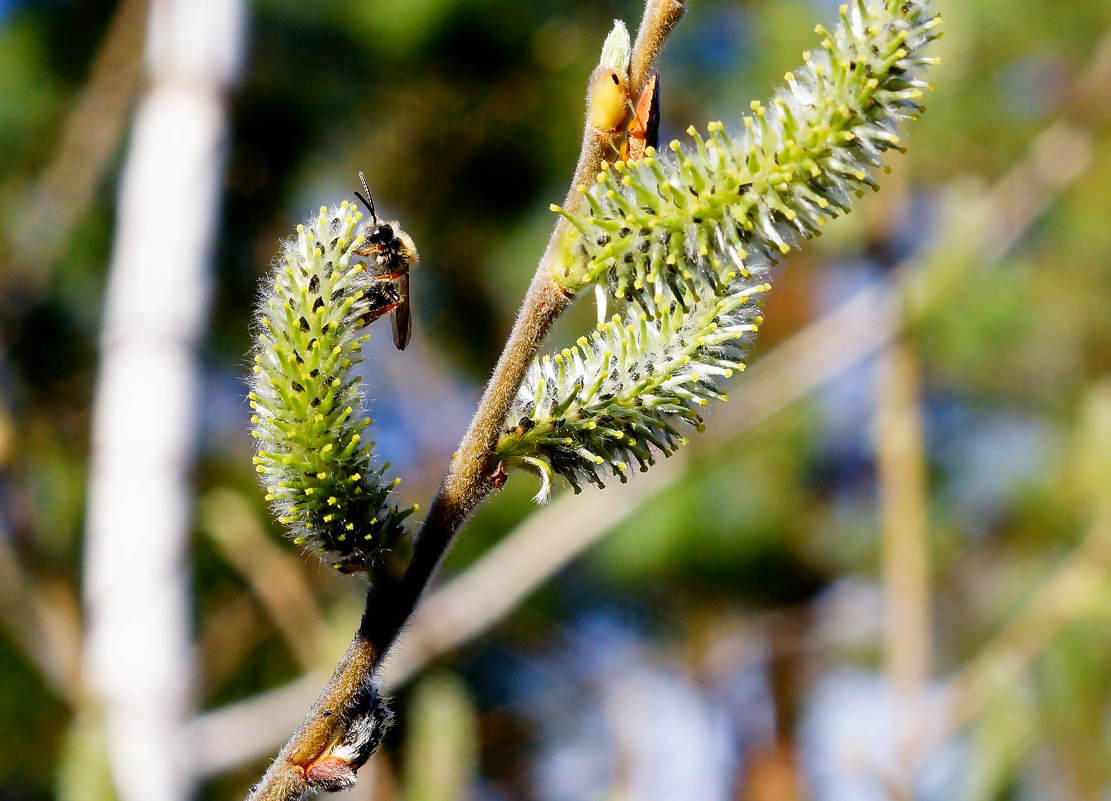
[{"x": 367, "y": 720}]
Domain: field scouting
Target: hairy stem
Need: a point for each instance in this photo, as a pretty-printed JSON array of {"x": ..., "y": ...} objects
[
  {"x": 665, "y": 15},
  {"x": 285, "y": 780},
  {"x": 472, "y": 476}
]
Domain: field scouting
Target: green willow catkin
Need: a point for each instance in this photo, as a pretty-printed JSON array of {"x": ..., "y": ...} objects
[
  {"x": 616, "y": 396},
  {"x": 734, "y": 204},
  {"x": 312, "y": 457},
  {"x": 685, "y": 241}
]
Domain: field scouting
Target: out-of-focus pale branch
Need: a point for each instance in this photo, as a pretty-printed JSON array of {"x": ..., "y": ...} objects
[
  {"x": 901, "y": 480},
  {"x": 273, "y": 574},
  {"x": 138, "y": 650},
  {"x": 1074, "y": 588}
]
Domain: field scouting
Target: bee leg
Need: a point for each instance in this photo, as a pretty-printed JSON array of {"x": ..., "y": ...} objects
[
  {"x": 374, "y": 314},
  {"x": 387, "y": 276}
]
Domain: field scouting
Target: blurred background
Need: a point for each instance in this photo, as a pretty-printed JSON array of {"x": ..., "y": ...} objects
[{"x": 882, "y": 573}]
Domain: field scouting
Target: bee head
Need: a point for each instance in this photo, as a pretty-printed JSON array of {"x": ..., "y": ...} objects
[{"x": 380, "y": 234}]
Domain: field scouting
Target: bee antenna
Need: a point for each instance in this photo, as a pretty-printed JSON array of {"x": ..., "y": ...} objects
[{"x": 368, "y": 201}]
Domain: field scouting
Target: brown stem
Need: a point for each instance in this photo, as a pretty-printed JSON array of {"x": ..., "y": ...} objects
[
  {"x": 471, "y": 476},
  {"x": 664, "y": 15},
  {"x": 323, "y": 725}
]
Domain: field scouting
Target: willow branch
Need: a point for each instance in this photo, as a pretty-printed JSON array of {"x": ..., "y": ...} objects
[
  {"x": 824, "y": 350},
  {"x": 472, "y": 476}
]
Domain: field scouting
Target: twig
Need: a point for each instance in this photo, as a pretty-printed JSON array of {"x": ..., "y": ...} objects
[
  {"x": 1075, "y": 586},
  {"x": 906, "y": 577},
  {"x": 650, "y": 40},
  {"x": 271, "y": 572},
  {"x": 815, "y": 355},
  {"x": 469, "y": 480}
]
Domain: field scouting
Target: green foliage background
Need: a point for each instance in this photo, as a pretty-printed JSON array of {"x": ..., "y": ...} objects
[{"x": 465, "y": 116}]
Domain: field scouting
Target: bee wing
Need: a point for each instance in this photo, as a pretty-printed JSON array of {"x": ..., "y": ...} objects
[
  {"x": 650, "y": 110},
  {"x": 402, "y": 314}
]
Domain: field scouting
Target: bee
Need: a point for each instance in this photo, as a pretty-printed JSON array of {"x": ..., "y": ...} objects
[
  {"x": 644, "y": 129},
  {"x": 393, "y": 254}
]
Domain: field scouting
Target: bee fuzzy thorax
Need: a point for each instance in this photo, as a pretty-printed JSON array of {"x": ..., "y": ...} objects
[
  {"x": 408, "y": 247},
  {"x": 390, "y": 247}
]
